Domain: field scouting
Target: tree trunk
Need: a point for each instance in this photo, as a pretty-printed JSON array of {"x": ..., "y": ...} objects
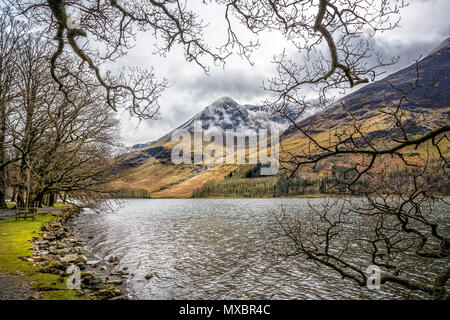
[
  {"x": 2, "y": 155},
  {"x": 51, "y": 199},
  {"x": 14, "y": 193}
]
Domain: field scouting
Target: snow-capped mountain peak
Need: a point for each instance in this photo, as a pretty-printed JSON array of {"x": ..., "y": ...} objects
[{"x": 227, "y": 114}]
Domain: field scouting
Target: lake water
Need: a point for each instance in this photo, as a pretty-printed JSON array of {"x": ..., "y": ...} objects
[{"x": 211, "y": 249}]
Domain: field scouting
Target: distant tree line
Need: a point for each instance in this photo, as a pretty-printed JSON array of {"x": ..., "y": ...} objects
[
  {"x": 246, "y": 182},
  {"x": 128, "y": 193},
  {"x": 264, "y": 187}
]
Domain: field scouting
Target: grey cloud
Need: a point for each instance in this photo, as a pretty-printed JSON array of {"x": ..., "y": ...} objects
[
  {"x": 245, "y": 85},
  {"x": 424, "y": 25}
]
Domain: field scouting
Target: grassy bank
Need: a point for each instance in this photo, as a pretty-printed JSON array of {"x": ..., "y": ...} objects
[{"x": 15, "y": 239}]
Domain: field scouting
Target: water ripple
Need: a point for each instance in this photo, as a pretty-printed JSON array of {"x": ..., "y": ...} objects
[{"x": 209, "y": 249}]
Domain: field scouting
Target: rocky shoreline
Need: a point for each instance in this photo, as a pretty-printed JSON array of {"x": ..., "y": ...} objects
[{"x": 57, "y": 251}]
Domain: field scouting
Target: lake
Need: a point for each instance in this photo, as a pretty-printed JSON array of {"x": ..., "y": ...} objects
[{"x": 211, "y": 249}]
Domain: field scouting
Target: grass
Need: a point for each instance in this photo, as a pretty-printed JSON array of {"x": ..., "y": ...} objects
[
  {"x": 60, "y": 205},
  {"x": 9, "y": 204},
  {"x": 15, "y": 239}
]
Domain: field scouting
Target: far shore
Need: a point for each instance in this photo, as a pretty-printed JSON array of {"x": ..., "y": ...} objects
[{"x": 304, "y": 196}]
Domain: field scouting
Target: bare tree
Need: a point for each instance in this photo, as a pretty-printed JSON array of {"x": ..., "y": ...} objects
[
  {"x": 64, "y": 142},
  {"x": 11, "y": 32},
  {"x": 29, "y": 123},
  {"x": 78, "y": 159},
  {"x": 394, "y": 155},
  {"x": 97, "y": 32}
]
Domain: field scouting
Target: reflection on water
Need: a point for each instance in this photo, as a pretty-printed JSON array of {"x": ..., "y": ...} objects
[{"x": 210, "y": 249}]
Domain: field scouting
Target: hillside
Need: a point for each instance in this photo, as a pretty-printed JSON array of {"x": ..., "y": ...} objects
[
  {"x": 366, "y": 108},
  {"x": 149, "y": 171}
]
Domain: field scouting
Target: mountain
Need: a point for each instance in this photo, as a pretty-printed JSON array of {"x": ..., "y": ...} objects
[
  {"x": 364, "y": 108},
  {"x": 227, "y": 114},
  {"x": 432, "y": 95},
  {"x": 150, "y": 170},
  {"x": 224, "y": 114},
  {"x": 147, "y": 168}
]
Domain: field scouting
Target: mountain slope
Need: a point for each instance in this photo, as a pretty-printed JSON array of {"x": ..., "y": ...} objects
[
  {"x": 435, "y": 68},
  {"x": 366, "y": 109},
  {"x": 151, "y": 170}
]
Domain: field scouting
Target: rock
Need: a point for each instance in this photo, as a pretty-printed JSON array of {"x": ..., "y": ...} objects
[
  {"x": 64, "y": 251},
  {"x": 82, "y": 259},
  {"x": 87, "y": 278},
  {"x": 36, "y": 296},
  {"x": 81, "y": 266},
  {"x": 28, "y": 259},
  {"x": 109, "y": 293},
  {"x": 93, "y": 263},
  {"x": 150, "y": 275},
  {"x": 55, "y": 249},
  {"x": 43, "y": 244},
  {"x": 46, "y": 257},
  {"x": 114, "y": 260},
  {"x": 55, "y": 264},
  {"x": 49, "y": 237},
  {"x": 92, "y": 281},
  {"x": 69, "y": 258},
  {"x": 51, "y": 270},
  {"x": 61, "y": 245}
]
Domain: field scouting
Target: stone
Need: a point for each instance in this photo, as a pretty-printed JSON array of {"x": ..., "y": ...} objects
[
  {"x": 92, "y": 281},
  {"x": 82, "y": 259},
  {"x": 109, "y": 293},
  {"x": 49, "y": 237},
  {"x": 93, "y": 263},
  {"x": 61, "y": 245},
  {"x": 87, "y": 278},
  {"x": 72, "y": 240},
  {"x": 114, "y": 260},
  {"x": 64, "y": 251},
  {"x": 69, "y": 258},
  {"x": 81, "y": 266},
  {"x": 150, "y": 275}
]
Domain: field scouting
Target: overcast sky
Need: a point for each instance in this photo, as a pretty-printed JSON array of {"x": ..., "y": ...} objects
[{"x": 424, "y": 24}]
